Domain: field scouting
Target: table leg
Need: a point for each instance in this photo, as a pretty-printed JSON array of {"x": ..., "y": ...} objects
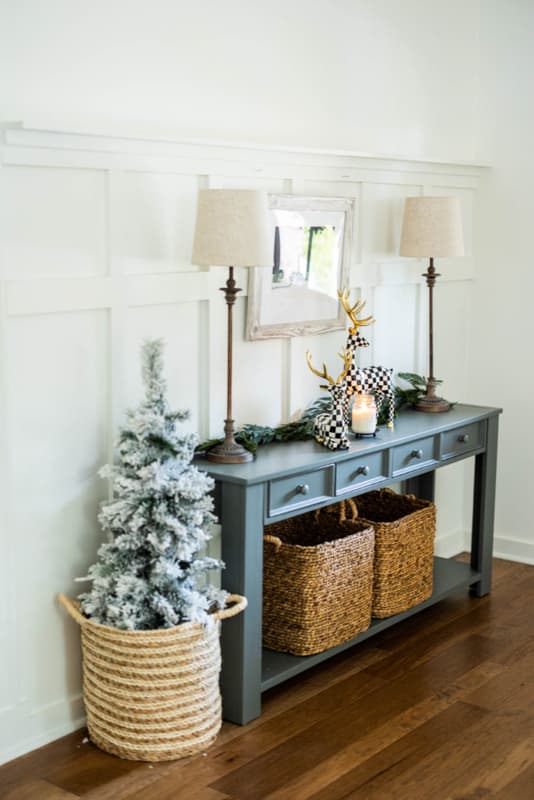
[
  {"x": 242, "y": 552},
  {"x": 484, "y": 509},
  {"x": 422, "y": 486}
]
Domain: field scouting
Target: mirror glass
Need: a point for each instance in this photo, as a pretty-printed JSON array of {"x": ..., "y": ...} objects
[{"x": 298, "y": 295}]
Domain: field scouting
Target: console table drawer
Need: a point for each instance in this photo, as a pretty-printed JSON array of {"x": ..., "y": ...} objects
[
  {"x": 412, "y": 456},
  {"x": 358, "y": 471},
  {"x": 300, "y": 490},
  {"x": 463, "y": 440}
]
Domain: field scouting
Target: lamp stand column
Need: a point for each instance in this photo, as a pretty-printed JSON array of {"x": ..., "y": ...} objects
[
  {"x": 430, "y": 401},
  {"x": 229, "y": 451}
]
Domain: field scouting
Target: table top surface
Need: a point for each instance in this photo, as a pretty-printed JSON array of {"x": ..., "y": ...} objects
[{"x": 279, "y": 459}]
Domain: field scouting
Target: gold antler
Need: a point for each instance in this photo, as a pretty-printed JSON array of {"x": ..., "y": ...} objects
[
  {"x": 354, "y": 310},
  {"x": 324, "y": 374}
]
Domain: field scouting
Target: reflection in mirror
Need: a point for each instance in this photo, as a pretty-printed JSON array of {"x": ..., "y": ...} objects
[{"x": 298, "y": 295}]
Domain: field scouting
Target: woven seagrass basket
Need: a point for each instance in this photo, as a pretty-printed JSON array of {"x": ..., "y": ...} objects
[
  {"x": 317, "y": 582},
  {"x": 405, "y": 527},
  {"x": 152, "y": 695}
]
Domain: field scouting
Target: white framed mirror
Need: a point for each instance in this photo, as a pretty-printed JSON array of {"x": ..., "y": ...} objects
[{"x": 311, "y": 262}]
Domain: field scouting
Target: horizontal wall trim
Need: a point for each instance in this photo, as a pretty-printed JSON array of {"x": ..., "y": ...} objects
[
  {"x": 403, "y": 272},
  {"x": 64, "y": 159},
  {"x": 24, "y": 146},
  {"x": 53, "y": 295},
  {"x": 21, "y": 133},
  {"x": 64, "y": 294}
]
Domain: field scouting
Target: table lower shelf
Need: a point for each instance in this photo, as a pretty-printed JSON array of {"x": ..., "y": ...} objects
[{"x": 449, "y": 576}]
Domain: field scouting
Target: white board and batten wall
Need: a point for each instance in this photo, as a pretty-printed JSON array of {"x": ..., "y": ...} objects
[{"x": 96, "y": 256}]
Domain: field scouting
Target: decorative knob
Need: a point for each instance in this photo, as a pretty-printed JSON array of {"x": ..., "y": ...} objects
[
  {"x": 302, "y": 488},
  {"x": 417, "y": 454},
  {"x": 363, "y": 470},
  {"x": 463, "y": 438}
]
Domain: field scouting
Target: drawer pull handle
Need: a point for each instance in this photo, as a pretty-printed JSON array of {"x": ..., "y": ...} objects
[
  {"x": 302, "y": 488},
  {"x": 417, "y": 454},
  {"x": 363, "y": 470},
  {"x": 464, "y": 438}
]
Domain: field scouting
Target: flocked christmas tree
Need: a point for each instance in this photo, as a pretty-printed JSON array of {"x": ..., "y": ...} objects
[{"x": 147, "y": 573}]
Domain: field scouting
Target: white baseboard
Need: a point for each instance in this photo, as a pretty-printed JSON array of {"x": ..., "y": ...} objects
[
  {"x": 38, "y": 740},
  {"x": 512, "y": 549},
  {"x": 450, "y": 544},
  {"x": 507, "y": 547}
]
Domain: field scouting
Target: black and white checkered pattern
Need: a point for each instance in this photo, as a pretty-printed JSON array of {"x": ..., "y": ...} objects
[
  {"x": 330, "y": 428},
  {"x": 371, "y": 380},
  {"x": 355, "y": 339},
  {"x": 368, "y": 380}
]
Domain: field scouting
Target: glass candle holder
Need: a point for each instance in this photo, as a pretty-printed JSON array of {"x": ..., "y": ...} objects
[{"x": 364, "y": 414}]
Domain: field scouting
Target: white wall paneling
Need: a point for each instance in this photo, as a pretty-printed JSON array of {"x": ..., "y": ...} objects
[
  {"x": 53, "y": 222},
  {"x": 96, "y": 242}
]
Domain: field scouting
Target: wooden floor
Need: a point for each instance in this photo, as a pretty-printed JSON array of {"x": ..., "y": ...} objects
[{"x": 440, "y": 707}]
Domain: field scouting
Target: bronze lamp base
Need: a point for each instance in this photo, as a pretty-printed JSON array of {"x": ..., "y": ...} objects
[
  {"x": 229, "y": 451},
  {"x": 430, "y": 401}
]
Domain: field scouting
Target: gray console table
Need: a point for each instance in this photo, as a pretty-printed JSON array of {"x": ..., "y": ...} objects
[{"x": 287, "y": 479}]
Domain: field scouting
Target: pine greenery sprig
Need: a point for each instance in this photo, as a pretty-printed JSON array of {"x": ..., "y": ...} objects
[{"x": 252, "y": 436}]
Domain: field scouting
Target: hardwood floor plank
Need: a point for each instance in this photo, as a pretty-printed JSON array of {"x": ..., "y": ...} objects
[
  {"x": 37, "y": 790},
  {"x": 460, "y": 762},
  {"x": 403, "y": 754},
  {"x": 520, "y": 786},
  {"x": 175, "y": 790},
  {"x": 38, "y": 762},
  {"x": 378, "y": 739},
  {"x": 500, "y": 774},
  {"x": 177, "y": 786},
  {"x": 92, "y": 769},
  {"x": 320, "y": 741},
  {"x": 122, "y": 785},
  {"x": 510, "y": 691}
]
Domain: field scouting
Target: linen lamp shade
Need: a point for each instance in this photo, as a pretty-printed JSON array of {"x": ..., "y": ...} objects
[
  {"x": 432, "y": 227},
  {"x": 232, "y": 229}
]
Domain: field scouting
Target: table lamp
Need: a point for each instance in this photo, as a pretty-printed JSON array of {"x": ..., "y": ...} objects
[
  {"x": 232, "y": 229},
  {"x": 432, "y": 227}
]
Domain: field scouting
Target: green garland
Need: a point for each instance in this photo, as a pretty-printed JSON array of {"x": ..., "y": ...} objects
[{"x": 253, "y": 436}]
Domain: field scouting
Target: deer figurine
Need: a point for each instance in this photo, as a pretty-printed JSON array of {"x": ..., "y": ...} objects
[
  {"x": 365, "y": 380},
  {"x": 330, "y": 428}
]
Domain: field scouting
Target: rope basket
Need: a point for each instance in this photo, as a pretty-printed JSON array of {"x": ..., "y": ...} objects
[
  {"x": 405, "y": 527},
  {"x": 152, "y": 695},
  {"x": 317, "y": 582}
]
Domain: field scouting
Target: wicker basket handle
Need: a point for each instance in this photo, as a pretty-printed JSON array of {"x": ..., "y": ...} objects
[
  {"x": 72, "y": 608},
  {"x": 273, "y": 540},
  {"x": 239, "y": 605},
  {"x": 351, "y": 504}
]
